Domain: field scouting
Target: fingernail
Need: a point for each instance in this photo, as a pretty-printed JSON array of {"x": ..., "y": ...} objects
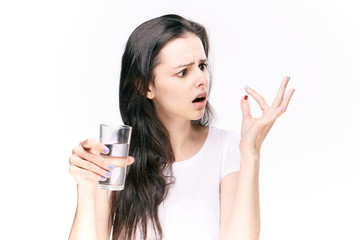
[
  {"x": 103, "y": 178},
  {"x": 111, "y": 167},
  {"x": 283, "y": 109},
  {"x": 106, "y": 150},
  {"x": 293, "y": 91},
  {"x": 247, "y": 87},
  {"x": 288, "y": 78},
  {"x": 108, "y": 173},
  {"x": 246, "y": 97}
]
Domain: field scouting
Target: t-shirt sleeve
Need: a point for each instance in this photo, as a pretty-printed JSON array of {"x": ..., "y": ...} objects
[{"x": 231, "y": 157}]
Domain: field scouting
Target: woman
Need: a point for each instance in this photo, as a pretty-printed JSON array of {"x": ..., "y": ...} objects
[{"x": 186, "y": 181}]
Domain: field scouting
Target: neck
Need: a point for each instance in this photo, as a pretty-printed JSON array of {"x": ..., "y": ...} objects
[
  {"x": 180, "y": 132},
  {"x": 186, "y": 138}
]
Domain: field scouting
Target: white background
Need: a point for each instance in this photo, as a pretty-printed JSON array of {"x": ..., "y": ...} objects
[{"x": 59, "y": 71}]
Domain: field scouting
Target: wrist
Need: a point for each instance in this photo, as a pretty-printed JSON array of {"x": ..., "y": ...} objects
[
  {"x": 250, "y": 159},
  {"x": 86, "y": 189},
  {"x": 249, "y": 152}
]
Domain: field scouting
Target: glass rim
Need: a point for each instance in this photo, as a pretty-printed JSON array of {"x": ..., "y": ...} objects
[{"x": 117, "y": 125}]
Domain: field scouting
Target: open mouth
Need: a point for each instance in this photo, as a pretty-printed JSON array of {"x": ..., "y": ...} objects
[{"x": 199, "y": 99}]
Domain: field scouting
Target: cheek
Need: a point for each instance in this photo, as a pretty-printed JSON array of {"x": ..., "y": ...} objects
[
  {"x": 207, "y": 76},
  {"x": 171, "y": 98}
]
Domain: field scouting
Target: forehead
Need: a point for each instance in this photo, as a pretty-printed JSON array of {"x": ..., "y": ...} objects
[{"x": 182, "y": 50}]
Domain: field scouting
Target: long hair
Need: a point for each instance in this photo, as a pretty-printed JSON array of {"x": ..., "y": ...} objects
[{"x": 135, "y": 209}]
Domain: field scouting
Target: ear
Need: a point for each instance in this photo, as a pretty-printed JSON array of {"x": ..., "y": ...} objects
[{"x": 151, "y": 91}]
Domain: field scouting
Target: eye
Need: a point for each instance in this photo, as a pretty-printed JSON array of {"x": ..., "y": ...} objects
[
  {"x": 203, "y": 66},
  {"x": 182, "y": 73}
]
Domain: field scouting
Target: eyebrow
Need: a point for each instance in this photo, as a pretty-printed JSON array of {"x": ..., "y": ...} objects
[{"x": 189, "y": 64}]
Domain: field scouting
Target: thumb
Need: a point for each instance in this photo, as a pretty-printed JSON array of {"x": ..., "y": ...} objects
[
  {"x": 245, "y": 108},
  {"x": 130, "y": 160}
]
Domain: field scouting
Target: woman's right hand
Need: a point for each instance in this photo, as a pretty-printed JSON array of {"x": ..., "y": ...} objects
[{"x": 87, "y": 166}]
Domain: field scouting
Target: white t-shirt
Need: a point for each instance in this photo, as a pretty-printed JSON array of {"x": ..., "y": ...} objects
[{"x": 191, "y": 209}]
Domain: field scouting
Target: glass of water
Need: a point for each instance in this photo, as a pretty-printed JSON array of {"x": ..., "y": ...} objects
[{"x": 117, "y": 139}]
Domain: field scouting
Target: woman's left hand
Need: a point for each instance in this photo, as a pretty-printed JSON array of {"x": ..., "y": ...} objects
[{"x": 254, "y": 130}]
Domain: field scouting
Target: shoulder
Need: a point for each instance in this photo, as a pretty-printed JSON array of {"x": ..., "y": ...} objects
[
  {"x": 223, "y": 134},
  {"x": 223, "y": 144},
  {"x": 222, "y": 139}
]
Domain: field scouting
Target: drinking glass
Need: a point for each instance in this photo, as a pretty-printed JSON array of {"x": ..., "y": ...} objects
[{"x": 117, "y": 139}]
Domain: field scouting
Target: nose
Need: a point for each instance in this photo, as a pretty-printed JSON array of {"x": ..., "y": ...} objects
[{"x": 202, "y": 78}]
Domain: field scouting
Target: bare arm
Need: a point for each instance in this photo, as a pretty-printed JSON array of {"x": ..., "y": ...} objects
[
  {"x": 241, "y": 187},
  {"x": 244, "y": 221},
  {"x": 228, "y": 188},
  {"x": 91, "y": 220},
  {"x": 92, "y": 213}
]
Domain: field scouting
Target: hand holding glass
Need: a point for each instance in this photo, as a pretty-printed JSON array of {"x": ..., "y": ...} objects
[{"x": 117, "y": 139}]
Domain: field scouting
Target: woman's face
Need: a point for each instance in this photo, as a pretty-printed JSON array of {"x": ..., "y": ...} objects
[{"x": 181, "y": 80}]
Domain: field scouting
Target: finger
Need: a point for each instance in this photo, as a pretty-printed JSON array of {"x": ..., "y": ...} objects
[
  {"x": 88, "y": 166},
  {"x": 245, "y": 108},
  {"x": 280, "y": 95},
  {"x": 288, "y": 97},
  {"x": 258, "y": 98},
  {"x": 91, "y": 157},
  {"x": 282, "y": 108},
  {"x": 119, "y": 161},
  {"x": 78, "y": 172},
  {"x": 94, "y": 146},
  {"x": 130, "y": 160}
]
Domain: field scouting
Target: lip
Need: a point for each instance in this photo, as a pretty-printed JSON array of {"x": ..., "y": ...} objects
[
  {"x": 201, "y": 104},
  {"x": 203, "y": 94}
]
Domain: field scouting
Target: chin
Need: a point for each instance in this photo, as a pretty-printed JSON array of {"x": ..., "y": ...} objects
[{"x": 197, "y": 116}]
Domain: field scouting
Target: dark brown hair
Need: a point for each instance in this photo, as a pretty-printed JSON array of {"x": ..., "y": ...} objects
[{"x": 135, "y": 208}]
